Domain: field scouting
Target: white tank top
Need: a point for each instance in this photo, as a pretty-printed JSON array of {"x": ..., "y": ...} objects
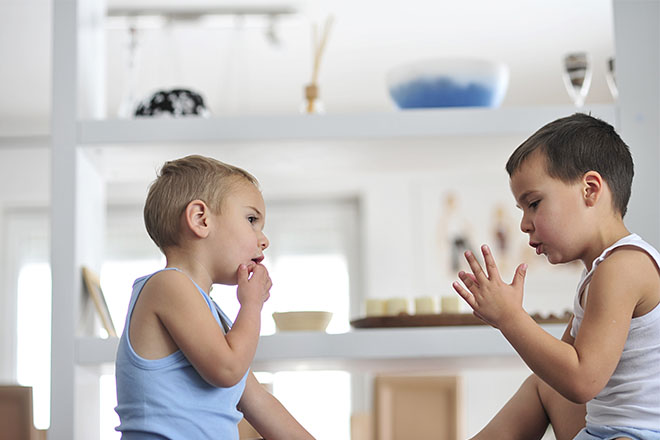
[{"x": 632, "y": 395}]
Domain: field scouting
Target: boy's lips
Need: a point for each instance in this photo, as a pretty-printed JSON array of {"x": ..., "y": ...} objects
[
  {"x": 537, "y": 246},
  {"x": 258, "y": 259}
]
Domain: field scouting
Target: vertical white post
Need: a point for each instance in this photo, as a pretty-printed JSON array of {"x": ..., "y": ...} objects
[
  {"x": 90, "y": 226},
  {"x": 77, "y": 223},
  {"x": 637, "y": 36},
  {"x": 66, "y": 285},
  {"x": 8, "y": 318},
  {"x": 92, "y": 59}
]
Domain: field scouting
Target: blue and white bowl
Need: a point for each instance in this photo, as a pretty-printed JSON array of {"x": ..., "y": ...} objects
[{"x": 448, "y": 82}]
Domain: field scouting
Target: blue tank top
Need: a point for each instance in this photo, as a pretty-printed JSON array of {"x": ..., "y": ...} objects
[{"x": 166, "y": 398}]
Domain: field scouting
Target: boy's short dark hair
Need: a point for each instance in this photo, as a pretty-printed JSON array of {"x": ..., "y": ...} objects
[
  {"x": 579, "y": 143},
  {"x": 180, "y": 182}
]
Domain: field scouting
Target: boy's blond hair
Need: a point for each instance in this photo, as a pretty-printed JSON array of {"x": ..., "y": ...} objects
[{"x": 178, "y": 183}]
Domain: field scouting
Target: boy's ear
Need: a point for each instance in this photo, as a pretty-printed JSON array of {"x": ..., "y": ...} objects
[
  {"x": 197, "y": 218},
  {"x": 593, "y": 186}
]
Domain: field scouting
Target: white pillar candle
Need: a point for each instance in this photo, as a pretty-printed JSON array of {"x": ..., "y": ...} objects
[
  {"x": 425, "y": 305},
  {"x": 375, "y": 307},
  {"x": 396, "y": 306},
  {"x": 450, "y": 304}
]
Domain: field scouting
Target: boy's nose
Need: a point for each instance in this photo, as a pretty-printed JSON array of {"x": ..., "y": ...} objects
[
  {"x": 263, "y": 242},
  {"x": 525, "y": 225}
]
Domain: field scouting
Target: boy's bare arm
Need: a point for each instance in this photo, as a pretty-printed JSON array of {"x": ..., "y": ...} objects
[
  {"x": 220, "y": 360},
  {"x": 252, "y": 293},
  {"x": 618, "y": 291},
  {"x": 268, "y": 416},
  {"x": 578, "y": 371}
]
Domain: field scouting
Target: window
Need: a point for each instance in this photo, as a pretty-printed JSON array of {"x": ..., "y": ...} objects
[
  {"x": 33, "y": 337},
  {"x": 27, "y": 273}
]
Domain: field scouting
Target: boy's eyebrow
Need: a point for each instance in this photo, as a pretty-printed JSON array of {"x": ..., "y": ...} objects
[
  {"x": 523, "y": 197},
  {"x": 256, "y": 210}
]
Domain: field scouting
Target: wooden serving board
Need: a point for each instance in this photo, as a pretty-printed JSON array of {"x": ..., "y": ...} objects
[{"x": 441, "y": 319}]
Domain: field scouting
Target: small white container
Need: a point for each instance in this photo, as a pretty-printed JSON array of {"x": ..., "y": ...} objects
[{"x": 302, "y": 321}]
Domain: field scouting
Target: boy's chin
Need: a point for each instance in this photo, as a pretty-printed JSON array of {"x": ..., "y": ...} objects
[
  {"x": 555, "y": 259},
  {"x": 228, "y": 282},
  {"x": 551, "y": 260}
]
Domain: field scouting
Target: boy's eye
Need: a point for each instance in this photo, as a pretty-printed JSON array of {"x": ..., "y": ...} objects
[
  {"x": 533, "y": 205},
  {"x": 252, "y": 219}
]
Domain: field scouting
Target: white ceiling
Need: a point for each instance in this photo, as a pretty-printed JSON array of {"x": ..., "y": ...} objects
[{"x": 237, "y": 70}]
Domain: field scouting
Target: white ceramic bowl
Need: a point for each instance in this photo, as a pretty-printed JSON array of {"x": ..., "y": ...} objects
[
  {"x": 302, "y": 321},
  {"x": 448, "y": 82}
]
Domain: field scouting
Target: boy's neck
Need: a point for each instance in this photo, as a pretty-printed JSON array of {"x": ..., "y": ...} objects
[
  {"x": 605, "y": 237},
  {"x": 191, "y": 266}
]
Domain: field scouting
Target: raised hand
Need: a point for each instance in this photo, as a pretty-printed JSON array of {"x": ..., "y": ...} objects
[
  {"x": 486, "y": 293},
  {"x": 254, "y": 288}
]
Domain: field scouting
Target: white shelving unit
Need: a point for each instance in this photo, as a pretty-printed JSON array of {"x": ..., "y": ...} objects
[
  {"x": 448, "y": 348},
  {"x": 78, "y": 201},
  {"x": 395, "y": 124}
]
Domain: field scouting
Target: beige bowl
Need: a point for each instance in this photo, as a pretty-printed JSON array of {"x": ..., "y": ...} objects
[{"x": 302, "y": 321}]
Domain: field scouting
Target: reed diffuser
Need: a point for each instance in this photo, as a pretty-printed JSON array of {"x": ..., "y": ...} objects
[{"x": 312, "y": 102}]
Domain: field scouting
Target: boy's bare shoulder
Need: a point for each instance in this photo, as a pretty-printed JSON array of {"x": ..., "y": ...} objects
[
  {"x": 164, "y": 277},
  {"x": 167, "y": 285},
  {"x": 631, "y": 271},
  {"x": 629, "y": 262},
  {"x": 633, "y": 257}
]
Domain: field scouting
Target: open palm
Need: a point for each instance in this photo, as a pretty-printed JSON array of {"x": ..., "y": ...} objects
[{"x": 491, "y": 299}]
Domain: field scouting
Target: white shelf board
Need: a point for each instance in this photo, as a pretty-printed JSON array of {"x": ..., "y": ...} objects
[
  {"x": 363, "y": 349},
  {"x": 92, "y": 351},
  {"x": 196, "y": 10},
  {"x": 389, "y": 349},
  {"x": 395, "y": 124}
]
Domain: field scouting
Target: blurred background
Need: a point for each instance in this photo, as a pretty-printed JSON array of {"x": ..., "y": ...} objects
[{"x": 372, "y": 216}]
